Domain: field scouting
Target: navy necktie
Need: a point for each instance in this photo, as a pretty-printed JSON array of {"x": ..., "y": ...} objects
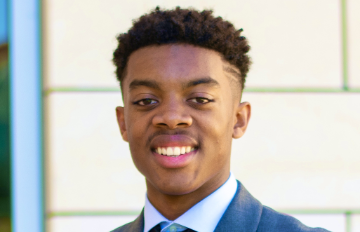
[{"x": 171, "y": 228}]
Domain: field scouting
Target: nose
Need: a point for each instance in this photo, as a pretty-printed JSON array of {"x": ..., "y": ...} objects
[{"x": 172, "y": 114}]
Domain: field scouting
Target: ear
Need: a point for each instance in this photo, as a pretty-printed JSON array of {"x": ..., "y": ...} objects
[
  {"x": 121, "y": 122},
  {"x": 241, "y": 120}
]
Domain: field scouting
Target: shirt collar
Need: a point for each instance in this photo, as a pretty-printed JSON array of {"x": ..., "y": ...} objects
[{"x": 202, "y": 217}]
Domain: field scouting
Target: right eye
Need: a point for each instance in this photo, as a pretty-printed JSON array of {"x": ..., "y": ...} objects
[
  {"x": 145, "y": 102},
  {"x": 200, "y": 100}
]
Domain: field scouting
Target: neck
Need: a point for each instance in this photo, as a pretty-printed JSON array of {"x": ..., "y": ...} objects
[{"x": 173, "y": 206}]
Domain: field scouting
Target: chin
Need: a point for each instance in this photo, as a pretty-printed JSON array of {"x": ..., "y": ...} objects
[
  {"x": 176, "y": 184},
  {"x": 177, "y": 190}
]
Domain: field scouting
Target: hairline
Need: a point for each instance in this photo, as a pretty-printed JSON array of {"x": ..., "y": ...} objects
[{"x": 228, "y": 68}]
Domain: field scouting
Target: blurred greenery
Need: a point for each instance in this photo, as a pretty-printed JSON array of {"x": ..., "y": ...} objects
[
  {"x": 5, "y": 224},
  {"x": 4, "y": 141}
]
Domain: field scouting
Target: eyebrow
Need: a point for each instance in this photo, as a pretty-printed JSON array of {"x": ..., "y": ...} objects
[
  {"x": 155, "y": 85},
  {"x": 203, "y": 80},
  {"x": 147, "y": 83}
]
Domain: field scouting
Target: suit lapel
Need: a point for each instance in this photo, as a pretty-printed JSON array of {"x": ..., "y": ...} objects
[
  {"x": 138, "y": 224},
  {"x": 243, "y": 213}
]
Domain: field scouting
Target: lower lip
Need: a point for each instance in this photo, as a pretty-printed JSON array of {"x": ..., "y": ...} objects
[{"x": 174, "y": 162}]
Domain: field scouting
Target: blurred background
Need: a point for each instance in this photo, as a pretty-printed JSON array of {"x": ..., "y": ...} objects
[
  {"x": 301, "y": 152},
  {"x": 4, "y": 122}
]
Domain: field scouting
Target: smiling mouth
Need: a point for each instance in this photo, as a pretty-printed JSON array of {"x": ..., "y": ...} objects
[{"x": 174, "y": 151}]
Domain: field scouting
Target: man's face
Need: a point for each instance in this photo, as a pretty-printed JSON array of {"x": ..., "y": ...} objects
[{"x": 178, "y": 99}]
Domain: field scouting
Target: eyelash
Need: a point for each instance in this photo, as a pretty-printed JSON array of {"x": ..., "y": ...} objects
[
  {"x": 202, "y": 98},
  {"x": 142, "y": 100},
  {"x": 193, "y": 100}
]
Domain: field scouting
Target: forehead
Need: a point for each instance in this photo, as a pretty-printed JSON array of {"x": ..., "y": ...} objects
[{"x": 174, "y": 63}]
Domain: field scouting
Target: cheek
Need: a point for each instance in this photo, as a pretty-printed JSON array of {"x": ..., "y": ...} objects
[
  {"x": 219, "y": 123},
  {"x": 136, "y": 125},
  {"x": 217, "y": 132},
  {"x": 137, "y": 144},
  {"x": 137, "y": 137}
]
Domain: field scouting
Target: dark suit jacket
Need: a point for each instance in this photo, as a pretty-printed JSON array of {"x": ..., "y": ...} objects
[{"x": 245, "y": 214}]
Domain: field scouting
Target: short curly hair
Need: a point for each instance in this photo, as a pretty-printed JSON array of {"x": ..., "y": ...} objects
[{"x": 184, "y": 26}]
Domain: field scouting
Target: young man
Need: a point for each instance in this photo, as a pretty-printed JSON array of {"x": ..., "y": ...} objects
[{"x": 182, "y": 73}]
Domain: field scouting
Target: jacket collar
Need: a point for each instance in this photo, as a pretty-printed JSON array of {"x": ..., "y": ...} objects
[
  {"x": 243, "y": 213},
  {"x": 138, "y": 224}
]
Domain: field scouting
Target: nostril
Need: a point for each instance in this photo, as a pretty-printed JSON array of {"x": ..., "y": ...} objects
[{"x": 171, "y": 120}]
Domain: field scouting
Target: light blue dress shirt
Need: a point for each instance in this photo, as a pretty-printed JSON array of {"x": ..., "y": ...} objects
[{"x": 202, "y": 217}]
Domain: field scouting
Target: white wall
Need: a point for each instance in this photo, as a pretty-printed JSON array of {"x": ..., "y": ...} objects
[{"x": 301, "y": 150}]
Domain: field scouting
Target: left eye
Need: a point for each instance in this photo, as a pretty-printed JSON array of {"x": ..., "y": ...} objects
[
  {"x": 200, "y": 100},
  {"x": 145, "y": 102}
]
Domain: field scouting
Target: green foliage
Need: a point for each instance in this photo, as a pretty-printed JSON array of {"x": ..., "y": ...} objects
[{"x": 4, "y": 133}]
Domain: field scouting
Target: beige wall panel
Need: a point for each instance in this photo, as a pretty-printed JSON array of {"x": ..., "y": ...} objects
[
  {"x": 353, "y": 18},
  {"x": 88, "y": 164},
  {"x": 355, "y": 225},
  {"x": 301, "y": 150},
  {"x": 331, "y": 222},
  {"x": 294, "y": 43},
  {"x": 88, "y": 224}
]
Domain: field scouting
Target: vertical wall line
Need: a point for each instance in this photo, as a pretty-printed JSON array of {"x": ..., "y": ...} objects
[
  {"x": 348, "y": 221},
  {"x": 41, "y": 114},
  {"x": 344, "y": 40},
  {"x": 27, "y": 208}
]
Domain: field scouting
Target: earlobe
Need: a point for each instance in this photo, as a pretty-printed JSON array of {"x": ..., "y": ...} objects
[
  {"x": 121, "y": 122},
  {"x": 241, "y": 120}
]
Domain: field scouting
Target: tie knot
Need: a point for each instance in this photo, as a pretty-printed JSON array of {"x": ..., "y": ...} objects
[{"x": 170, "y": 227}]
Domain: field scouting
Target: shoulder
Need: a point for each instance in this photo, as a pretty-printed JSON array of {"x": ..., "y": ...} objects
[
  {"x": 135, "y": 226},
  {"x": 272, "y": 220},
  {"x": 245, "y": 214},
  {"x": 126, "y": 227}
]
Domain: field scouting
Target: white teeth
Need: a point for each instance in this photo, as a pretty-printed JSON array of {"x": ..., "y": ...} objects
[
  {"x": 182, "y": 151},
  {"x": 174, "y": 151},
  {"x": 177, "y": 151},
  {"x": 169, "y": 151}
]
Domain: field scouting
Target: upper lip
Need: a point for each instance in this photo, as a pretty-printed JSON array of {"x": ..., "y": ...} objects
[{"x": 173, "y": 141}]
